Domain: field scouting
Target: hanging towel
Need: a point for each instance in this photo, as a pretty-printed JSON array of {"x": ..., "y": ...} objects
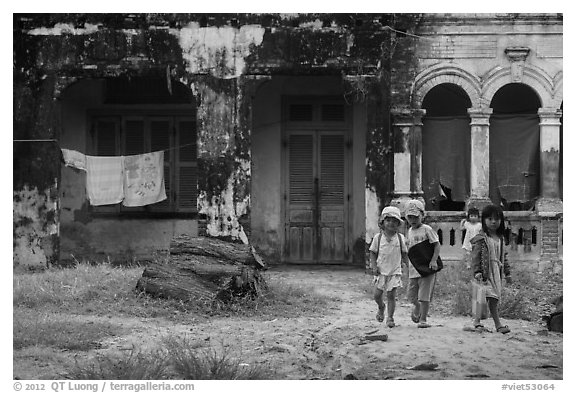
[
  {"x": 104, "y": 180},
  {"x": 144, "y": 179},
  {"x": 74, "y": 159}
]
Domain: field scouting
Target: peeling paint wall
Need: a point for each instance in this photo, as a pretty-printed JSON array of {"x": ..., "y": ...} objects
[
  {"x": 35, "y": 227},
  {"x": 223, "y": 160},
  {"x": 218, "y": 51}
]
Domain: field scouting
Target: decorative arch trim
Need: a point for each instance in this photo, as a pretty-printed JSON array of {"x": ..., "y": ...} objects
[
  {"x": 532, "y": 76},
  {"x": 445, "y": 73},
  {"x": 558, "y": 89}
]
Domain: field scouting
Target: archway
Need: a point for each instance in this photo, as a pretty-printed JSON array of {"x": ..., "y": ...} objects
[
  {"x": 108, "y": 117},
  {"x": 515, "y": 147},
  {"x": 446, "y": 147}
]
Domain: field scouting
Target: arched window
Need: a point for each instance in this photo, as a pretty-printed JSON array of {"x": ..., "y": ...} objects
[
  {"x": 446, "y": 148},
  {"x": 515, "y": 147}
]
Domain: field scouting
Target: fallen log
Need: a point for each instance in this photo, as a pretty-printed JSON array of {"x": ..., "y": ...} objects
[
  {"x": 215, "y": 248},
  {"x": 205, "y": 269}
]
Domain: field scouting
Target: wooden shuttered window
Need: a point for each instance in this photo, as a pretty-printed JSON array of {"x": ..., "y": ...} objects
[
  {"x": 186, "y": 165},
  {"x": 162, "y": 138},
  {"x": 106, "y": 136},
  {"x": 130, "y": 135},
  {"x": 332, "y": 169},
  {"x": 301, "y": 169}
]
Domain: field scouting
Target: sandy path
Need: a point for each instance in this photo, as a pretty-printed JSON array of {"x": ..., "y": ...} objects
[{"x": 333, "y": 346}]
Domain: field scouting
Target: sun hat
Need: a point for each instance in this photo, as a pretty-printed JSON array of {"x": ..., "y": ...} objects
[
  {"x": 415, "y": 208},
  {"x": 391, "y": 211}
]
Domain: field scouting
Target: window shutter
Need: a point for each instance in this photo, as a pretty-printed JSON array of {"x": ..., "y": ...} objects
[
  {"x": 331, "y": 169},
  {"x": 301, "y": 112},
  {"x": 301, "y": 169},
  {"x": 161, "y": 139},
  {"x": 333, "y": 112},
  {"x": 106, "y": 137},
  {"x": 187, "y": 173},
  {"x": 134, "y": 137}
]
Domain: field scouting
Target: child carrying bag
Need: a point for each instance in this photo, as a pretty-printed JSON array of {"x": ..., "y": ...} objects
[{"x": 420, "y": 255}]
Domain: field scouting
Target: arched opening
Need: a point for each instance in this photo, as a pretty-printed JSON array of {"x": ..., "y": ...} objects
[
  {"x": 307, "y": 177},
  {"x": 446, "y": 148},
  {"x": 128, "y": 117},
  {"x": 515, "y": 147}
]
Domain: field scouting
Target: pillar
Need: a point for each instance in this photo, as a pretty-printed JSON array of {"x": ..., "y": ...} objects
[
  {"x": 407, "y": 148},
  {"x": 549, "y": 202},
  {"x": 479, "y": 158}
]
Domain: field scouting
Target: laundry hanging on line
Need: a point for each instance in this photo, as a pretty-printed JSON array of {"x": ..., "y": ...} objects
[
  {"x": 135, "y": 180},
  {"x": 105, "y": 180},
  {"x": 144, "y": 179},
  {"x": 74, "y": 159}
]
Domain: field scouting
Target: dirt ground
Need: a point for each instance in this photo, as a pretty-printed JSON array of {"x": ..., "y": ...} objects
[{"x": 333, "y": 346}]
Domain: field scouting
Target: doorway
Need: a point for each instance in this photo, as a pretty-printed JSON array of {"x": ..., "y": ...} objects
[{"x": 317, "y": 158}]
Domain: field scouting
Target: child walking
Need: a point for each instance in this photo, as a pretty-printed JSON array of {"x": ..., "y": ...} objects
[
  {"x": 489, "y": 262},
  {"x": 420, "y": 288},
  {"x": 472, "y": 225},
  {"x": 387, "y": 252}
]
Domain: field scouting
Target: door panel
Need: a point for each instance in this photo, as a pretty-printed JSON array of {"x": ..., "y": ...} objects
[
  {"x": 301, "y": 212},
  {"x": 316, "y": 209},
  {"x": 331, "y": 198}
]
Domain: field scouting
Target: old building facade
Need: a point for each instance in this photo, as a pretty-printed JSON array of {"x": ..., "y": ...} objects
[{"x": 287, "y": 131}]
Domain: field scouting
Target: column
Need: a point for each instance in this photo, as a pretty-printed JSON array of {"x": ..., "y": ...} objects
[
  {"x": 549, "y": 202},
  {"x": 479, "y": 158},
  {"x": 407, "y": 148},
  {"x": 416, "y": 155}
]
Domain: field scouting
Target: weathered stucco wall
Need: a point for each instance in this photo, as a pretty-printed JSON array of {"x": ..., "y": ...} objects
[
  {"x": 211, "y": 54},
  {"x": 36, "y": 160},
  {"x": 35, "y": 228}
]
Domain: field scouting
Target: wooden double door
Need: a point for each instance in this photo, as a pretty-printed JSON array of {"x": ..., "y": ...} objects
[{"x": 317, "y": 196}]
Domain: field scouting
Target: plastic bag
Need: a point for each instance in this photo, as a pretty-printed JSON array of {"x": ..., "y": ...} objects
[{"x": 479, "y": 303}]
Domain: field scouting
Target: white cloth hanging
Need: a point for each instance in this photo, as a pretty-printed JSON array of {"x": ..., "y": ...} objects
[
  {"x": 144, "y": 179},
  {"x": 74, "y": 159},
  {"x": 104, "y": 180}
]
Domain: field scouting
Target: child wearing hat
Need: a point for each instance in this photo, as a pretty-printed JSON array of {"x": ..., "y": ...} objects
[
  {"x": 387, "y": 252},
  {"x": 420, "y": 288}
]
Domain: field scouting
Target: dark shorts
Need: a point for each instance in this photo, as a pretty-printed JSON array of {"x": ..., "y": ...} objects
[{"x": 420, "y": 288}]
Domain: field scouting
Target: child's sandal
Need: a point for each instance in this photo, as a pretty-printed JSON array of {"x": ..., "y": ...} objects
[
  {"x": 503, "y": 329},
  {"x": 380, "y": 316}
]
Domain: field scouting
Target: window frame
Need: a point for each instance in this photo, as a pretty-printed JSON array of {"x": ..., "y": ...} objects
[{"x": 174, "y": 117}]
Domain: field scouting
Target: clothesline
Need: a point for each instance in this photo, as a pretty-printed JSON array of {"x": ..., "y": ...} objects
[
  {"x": 55, "y": 140},
  {"x": 34, "y": 140}
]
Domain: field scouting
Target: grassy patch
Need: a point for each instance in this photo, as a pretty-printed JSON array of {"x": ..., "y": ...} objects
[
  {"x": 190, "y": 362},
  {"x": 32, "y": 329},
  {"x": 453, "y": 293},
  {"x": 177, "y": 358},
  {"x": 107, "y": 290},
  {"x": 131, "y": 365},
  {"x": 528, "y": 297}
]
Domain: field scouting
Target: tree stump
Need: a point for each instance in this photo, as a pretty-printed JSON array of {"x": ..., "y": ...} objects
[{"x": 205, "y": 269}]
